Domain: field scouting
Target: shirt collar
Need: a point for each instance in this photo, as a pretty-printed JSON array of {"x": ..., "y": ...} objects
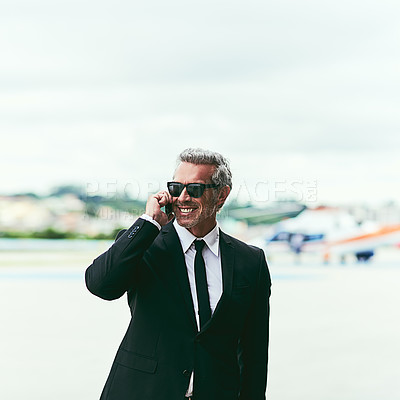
[{"x": 187, "y": 238}]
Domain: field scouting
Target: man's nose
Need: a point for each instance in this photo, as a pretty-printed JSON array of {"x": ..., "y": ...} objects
[{"x": 184, "y": 196}]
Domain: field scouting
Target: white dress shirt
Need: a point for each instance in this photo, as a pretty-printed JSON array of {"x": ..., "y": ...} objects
[{"x": 212, "y": 260}]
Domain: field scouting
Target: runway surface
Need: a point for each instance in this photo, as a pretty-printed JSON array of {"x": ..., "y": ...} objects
[{"x": 335, "y": 330}]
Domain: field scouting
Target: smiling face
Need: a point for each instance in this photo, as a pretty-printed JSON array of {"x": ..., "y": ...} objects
[{"x": 198, "y": 215}]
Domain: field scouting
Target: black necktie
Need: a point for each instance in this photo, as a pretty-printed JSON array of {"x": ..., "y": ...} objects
[{"x": 201, "y": 284}]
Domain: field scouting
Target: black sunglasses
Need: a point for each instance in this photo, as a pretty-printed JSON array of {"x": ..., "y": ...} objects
[{"x": 195, "y": 190}]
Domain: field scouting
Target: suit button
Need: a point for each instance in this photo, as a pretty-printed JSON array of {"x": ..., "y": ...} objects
[{"x": 186, "y": 372}]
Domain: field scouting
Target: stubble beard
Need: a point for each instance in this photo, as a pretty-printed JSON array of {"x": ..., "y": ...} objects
[{"x": 200, "y": 216}]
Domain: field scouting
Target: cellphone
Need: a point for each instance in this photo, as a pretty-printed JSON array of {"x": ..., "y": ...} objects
[{"x": 168, "y": 209}]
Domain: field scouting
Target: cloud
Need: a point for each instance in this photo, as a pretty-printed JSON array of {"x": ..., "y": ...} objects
[{"x": 95, "y": 90}]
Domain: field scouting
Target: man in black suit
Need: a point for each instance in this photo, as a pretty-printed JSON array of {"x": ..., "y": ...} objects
[{"x": 199, "y": 298}]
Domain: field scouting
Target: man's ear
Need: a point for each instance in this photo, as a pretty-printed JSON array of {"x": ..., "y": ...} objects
[{"x": 222, "y": 195}]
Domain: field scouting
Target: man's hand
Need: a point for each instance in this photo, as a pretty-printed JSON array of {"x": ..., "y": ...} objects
[{"x": 154, "y": 204}]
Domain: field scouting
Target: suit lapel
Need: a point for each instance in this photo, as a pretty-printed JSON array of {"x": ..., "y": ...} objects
[
  {"x": 175, "y": 254},
  {"x": 177, "y": 257}
]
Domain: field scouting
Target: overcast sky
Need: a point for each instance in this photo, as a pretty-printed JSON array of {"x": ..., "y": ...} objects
[{"x": 302, "y": 96}]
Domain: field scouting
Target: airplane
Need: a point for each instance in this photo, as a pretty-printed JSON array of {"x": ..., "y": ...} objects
[{"x": 331, "y": 232}]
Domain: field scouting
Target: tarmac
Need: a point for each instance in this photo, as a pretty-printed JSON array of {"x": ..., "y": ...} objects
[{"x": 334, "y": 329}]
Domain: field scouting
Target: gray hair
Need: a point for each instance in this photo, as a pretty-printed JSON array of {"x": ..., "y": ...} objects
[{"x": 222, "y": 175}]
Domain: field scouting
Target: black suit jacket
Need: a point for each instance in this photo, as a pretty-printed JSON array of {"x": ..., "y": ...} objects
[{"x": 162, "y": 345}]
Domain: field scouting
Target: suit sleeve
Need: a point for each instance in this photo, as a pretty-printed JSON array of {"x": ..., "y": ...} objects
[
  {"x": 253, "y": 345},
  {"x": 118, "y": 269}
]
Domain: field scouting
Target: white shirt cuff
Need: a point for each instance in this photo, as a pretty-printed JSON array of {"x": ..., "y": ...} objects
[{"x": 148, "y": 218}]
